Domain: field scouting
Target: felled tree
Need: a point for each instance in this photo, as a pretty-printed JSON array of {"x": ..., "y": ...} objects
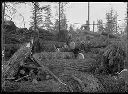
[
  {"x": 12, "y": 34},
  {"x": 13, "y": 63}
]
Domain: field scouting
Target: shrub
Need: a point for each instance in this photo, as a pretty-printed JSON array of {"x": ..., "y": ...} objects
[{"x": 113, "y": 57}]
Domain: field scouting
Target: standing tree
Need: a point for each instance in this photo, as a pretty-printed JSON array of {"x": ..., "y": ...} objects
[
  {"x": 63, "y": 23},
  {"x": 100, "y": 26},
  {"x": 2, "y": 38},
  {"x": 111, "y": 23},
  {"x": 71, "y": 28},
  {"x": 36, "y": 21},
  {"x": 63, "y": 20},
  {"x": 127, "y": 40},
  {"x": 63, "y": 33},
  {"x": 72, "y": 32},
  {"x": 3, "y": 12},
  {"x": 56, "y": 26},
  {"x": 36, "y": 16},
  {"x": 47, "y": 23}
]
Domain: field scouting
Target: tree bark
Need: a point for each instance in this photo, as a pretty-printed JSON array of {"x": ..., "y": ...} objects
[
  {"x": 14, "y": 61},
  {"x": 59, "y": 16},
  {"x": 2, "y": 38},
  {"x": 127, "y": 40},
  {"x": 3, "y": 12}
]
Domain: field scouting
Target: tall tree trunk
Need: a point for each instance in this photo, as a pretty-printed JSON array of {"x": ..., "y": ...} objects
[
  {"x": 59, "y": 15},
  {"x": 127, "y": 40},
  {"x": 88, "y": 16},
  {"x": 35, "y": 20},
  {"x": 3, "y": 12},
  {"x": 35, "y": 16},
  {"x": 93, "y": 25}
]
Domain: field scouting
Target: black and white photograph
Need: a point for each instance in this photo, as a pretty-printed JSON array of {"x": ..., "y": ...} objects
[{"x": 64, "y": 47}]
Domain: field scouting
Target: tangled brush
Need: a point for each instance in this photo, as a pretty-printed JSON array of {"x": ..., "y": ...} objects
[{"x": 113, "y": 57}]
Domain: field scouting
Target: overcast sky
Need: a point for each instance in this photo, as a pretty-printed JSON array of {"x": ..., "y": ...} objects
[{"x": 76, "y": 12}]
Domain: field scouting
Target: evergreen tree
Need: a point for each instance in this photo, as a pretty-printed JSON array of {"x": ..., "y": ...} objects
[
  {"x": 3, "y": 12},
  {"x": 127, "y": 40},
  {"x": 47, "y": 23},
  {"x": 56, "y": 26},
  {"x": 62, "y": 16},
  {"x": 111, "y": 23},
  {"x": 71, "y": 29},
  {"x": 36, "y": 16},
  {"x": 63, "y": 23},
  {"x": 63, "y": 20},
  {"x": 100, "y": 26}
]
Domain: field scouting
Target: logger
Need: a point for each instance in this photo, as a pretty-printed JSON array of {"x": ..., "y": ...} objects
[{"x": 74, "y": 49}]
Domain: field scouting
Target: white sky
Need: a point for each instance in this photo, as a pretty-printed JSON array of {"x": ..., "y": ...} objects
[{"x": 76, "y": 12}]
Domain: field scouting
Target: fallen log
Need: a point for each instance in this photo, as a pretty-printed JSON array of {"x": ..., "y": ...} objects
[
  {"x": 61, "y": 64},
  {"x": 14, "y": 62},
  {"x": 47, "y": 69},
  {"x": 57, "y": 77},
  {"x": 56, "y": 55},
  {"x": 30, "y": 67},
  {"x": 12, "y": 45},
  {"x": 66, "y": 66}
]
